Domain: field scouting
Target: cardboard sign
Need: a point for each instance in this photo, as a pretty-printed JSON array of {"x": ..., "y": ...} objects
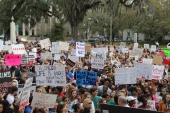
[
  {"x": 12, "y": 59},
  {"x": 40, "y": 100},
  {"x": 80, "y": 49},
  {"x": 45, "y": 43},
  {"x": 46, "y": 55},
  {"x": 28, "y": 60},
  {"x": 146, "y": 46},
  {"x": 18, "y": 48},
  {"x": 55, "y": 47},
  {"x": 84, "y": 77},
  {"x": 73, "y": 58},
  {"x": 125, "y": 76},
  {"x": 157, "y": 72},
  {"x": 26, "y": 94},
  {"x": 147, "y": 61},
  {"x": 69, "y": 62},
  {"x": 50, "y": 75},
  {"x": 97, "y": 60},
  {"x": 5, "y": 82},
  {"x": 88, "y": 48},
  {"x": 153, "y": 48},
  {"x": 157, "y": 60},
  {"x": 63, "y": 46},
  {"x": 57, "y": 56}
]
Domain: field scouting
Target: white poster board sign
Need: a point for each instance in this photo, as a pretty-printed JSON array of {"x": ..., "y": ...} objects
[
  {"x": 97, "y": 60},
  {"x": 63, "y": 46},
  {"x": 146, "y": 46},
  {"x": 99, "y": 50},
  {"x": 153, "y": 48},
  {"x": 125, "y": 50},
  {"x": 45, "y": 43},
  {"x": 157, "y": 72},
  {"x": 50, "y": 75},
  {"x": 135, "y": 45},
  {"x": 55, "y": 47},
  {"x": 73, "y": 52},
  {"x": 18, "y": 48},
  {"x": 7, "y": 48},
  {"x": 135, "y": 37},
  {"x": 57, "y": 56},
  {"x": 80, "y": 49},
  {"x": 125, "y": 76},
  {"x": 46, "y": 55},
  {"x": 122, "y": 44},
  {"x": 40, "y": 100},
  {"x": 1, "y": 45},
  {"x": 147, "y": 61}
]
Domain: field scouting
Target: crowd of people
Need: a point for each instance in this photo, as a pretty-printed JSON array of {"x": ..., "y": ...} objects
[{"x": 88, "y": 99}]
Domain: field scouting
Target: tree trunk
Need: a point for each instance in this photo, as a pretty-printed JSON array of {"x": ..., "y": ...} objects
[{"x": 74, "y": 32}]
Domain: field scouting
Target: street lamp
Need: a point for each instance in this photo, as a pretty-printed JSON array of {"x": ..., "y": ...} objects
[{"x": 88, "y": 29}]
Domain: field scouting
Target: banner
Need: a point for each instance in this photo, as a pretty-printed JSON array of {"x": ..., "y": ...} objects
[
  {"x": 147, "y": 61},
  {"x": 18, "y": 48},
  {"x": 50, "y": 75},
  {"x": 12, "y": 59},
  {"x": 84, "y": 77},
  {"x": 63, "y": 46},
  {"x": 26, "y": 94},
  {"x": 125, "y": 76},
  {"x": 55, "y": 47},
  {"x": 45, "y": 43},
  {"x": 157, "y": 72},
  {"x": 40, "y": 100},
  {"x": 153, "y": 48},
  {"x": 80, "y": 49},
  {"x": 46, "y": 55},
  {"x": 5, "y": 82},
  {"x": 143, "y": 70},
  {"x": 97, "y": 60},
  {"x": 28, "y": 60}
]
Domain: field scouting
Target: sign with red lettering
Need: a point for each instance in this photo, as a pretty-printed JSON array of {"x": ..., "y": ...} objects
[
  {"x": 13, "y": 59},
  {"x": 97, "y": 60},
  {"x": 18, "y": 48},
  {"x": 5, "y": 81},
  {"x": 45, "y": 43},
  {"x": 40, "y": 100},
  {"x": 28, "y": 60},
  {"x": 157, "y": 72},
  {"x": 80, "y": 49}
]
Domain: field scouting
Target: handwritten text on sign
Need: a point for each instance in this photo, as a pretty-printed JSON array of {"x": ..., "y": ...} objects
[
  {"x": 97, "y": 60},
  {"x": 55, "y": 47},
  {"x": 45, "y": 43},
  {"x": 26, "y": 93},
  {"x": 50, "y": 75},
  {"x": 157, "y": 72},
  {"x": 85, "y": 78},
  {"x": 13, "y": 60},
  {"x": 80, "y": 49},
  {"x": 40, "y": 100}
]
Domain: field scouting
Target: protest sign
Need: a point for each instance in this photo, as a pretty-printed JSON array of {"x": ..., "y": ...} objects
[
  {"x": 146, "y": 46},
  {"x": 5, "y": 81},
  {"x": 21, "y": 86},
  {"x": 125, "y": 50},
  {"x": 84, "y": 77},
  {"x": 88, "y": 48},
  {"x": 143, "y": 70},
  {"x": 135, "y": 45},
  {"x": 46, "y": 55},
  {"x": 26, "y": 94},
  {"x": 157, "y": 72},
  {"x": 153, "y": 48},
  {"x": 157, "y": 60},
  {"x": 122, "y": 44},
  {"x": 73, "y": 52},
  {"x": 55, "y": 47},
  {"x": 99, "y": 50},
  {"x": 80, "y": 49},
  {"x": 166, "y": 61},
  {"x": 97, "y": 60},
  {"x": 50, "y": 75},
  {"x": 7, "y": 48},
  {"x": 45, "y": 43},
  {"x": 1, "y": 45},
  {"x": 73, "y": 58},
  {"x": 12, "y": 59},
  {"x": 28, "y": 60},
  {"x": 18, "y": 48},
  {"x": 40, "y": 100},
  {"x": 137, "y": 51},
  {"x": 63, "y": 46},
  {"x": 33, "y": 54},
  {"x": 57, "y": 56},
  {"x": 125, "y": 76},
  {"x": 147, "y": 61},
  {"x": 69, "y": 62},
  {"x": 135, "y": 37},
  {"x": 166, "y": 51}
]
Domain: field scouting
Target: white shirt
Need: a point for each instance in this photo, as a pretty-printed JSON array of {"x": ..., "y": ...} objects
[{"x": 10, "y": 98}]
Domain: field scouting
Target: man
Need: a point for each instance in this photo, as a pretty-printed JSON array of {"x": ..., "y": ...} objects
[
  {"x": 122, "y": 101},
  {"x": 131, "y": 101},
  {"x": 10, "y": 97}
]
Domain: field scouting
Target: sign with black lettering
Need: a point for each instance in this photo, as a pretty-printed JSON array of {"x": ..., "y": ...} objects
[
  {"x": 21, "y": 86},
  {"x": 69, "y": 62},
  {"x": 50, "y": 75},
  {"x": 28, "y": 60},
  {"x": 97, "y": 60},
  {"x": 84, "y": 77},
  {"x": 5, "y": 81}
]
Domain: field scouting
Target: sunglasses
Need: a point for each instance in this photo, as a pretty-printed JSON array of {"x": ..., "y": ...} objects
[{"x": 90, "y": 103}]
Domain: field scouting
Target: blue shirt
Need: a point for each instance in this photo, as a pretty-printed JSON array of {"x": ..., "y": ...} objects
[
  {"x": 69, "y": 74},
  {"x": 28, "y": 109}
]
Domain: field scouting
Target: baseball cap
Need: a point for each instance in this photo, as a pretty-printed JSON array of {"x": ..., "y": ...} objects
[{"x": 130, "y": 98}]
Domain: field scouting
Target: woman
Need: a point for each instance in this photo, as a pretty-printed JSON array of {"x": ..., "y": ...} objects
[
  {"x": 87, "y": 103},
  {"x": 143, "y": 100},
  {"x": 1, "y": 107},
  {"x": 154, "y": 96},
  {"x": 102, "y": 101},
  {"x": 77, "y": 108},
  {"x": 147, "y": 90},
  {"x": 162, "y": 105},
  {"x": 88, "y": 96},
  {"x": 62, "y": 108},
  {"x": 163, "y": 91},
  {"x": 72, "y": 96}
]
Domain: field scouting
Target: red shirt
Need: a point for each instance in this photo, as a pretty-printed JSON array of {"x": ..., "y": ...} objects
[{"x": 61, "y": 94}]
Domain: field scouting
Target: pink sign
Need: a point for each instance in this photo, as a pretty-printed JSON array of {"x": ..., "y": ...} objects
[{"x": 13, "y": 59}]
